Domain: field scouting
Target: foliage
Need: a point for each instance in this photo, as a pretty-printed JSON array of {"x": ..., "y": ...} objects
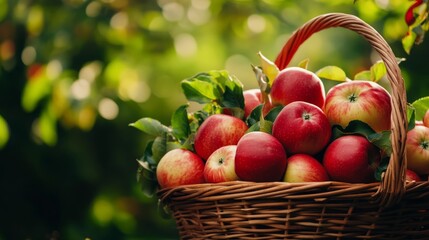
[{"x": 74, "y": 73}]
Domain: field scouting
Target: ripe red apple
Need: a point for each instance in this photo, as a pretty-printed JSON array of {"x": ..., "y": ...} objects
[
  {"x": 260, "y": 157},
  {"x": 359, "y": 100},
  {"x": 302, "y": 128},
  {"x": 180, "y": 167},
  {"x": 297, "y": 84},
  {"x": 412, "y": 176},
  {"x": 352, "y": 159},
  {"x": 252, "y": 99},
  {"x": 220, "y": 166},
  {"x": 216, "y": 131},
  {"x": 417, "y": 147},
  {"x": 426, "y": 119},
  {"x": 304, "y": 168}
]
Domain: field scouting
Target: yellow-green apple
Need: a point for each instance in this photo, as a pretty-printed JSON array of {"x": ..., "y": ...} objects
[
  {"x": 426, "y": 119},
  {"x": 417, "y": 147},
  {"x": 220, "y": 166},
  {"x": 304, "y": 168},
  {"x": 412, "y": 176},
  {"x": 260, "y": 157},
  {"x": 252, "y": 99},
  {"x": 297, "y": 84},
  {"x": 302, "y": 128},
  {"x": 216, "y": 131},
  {"x": 351, "y": 158},
  {"x": 180, "y": 167},
  {"x": 359, "y": 100}
]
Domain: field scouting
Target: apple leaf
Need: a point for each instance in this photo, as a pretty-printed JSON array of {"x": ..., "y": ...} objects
[
  {"x": 408, "y": 41},
  {"x": 159, "y": 147},
  {"x": 382, "y": 167},
  {"x": 254, "y": 116},
  {"x": 146, "y": 173},
  {"x": 363, "y": 75},
  {"x": 304, "y": 63},
  {"x": 273, "y": 113},
  {"x": 382, "y": 141},
  {"x": 411, "y": 117},
  {"x": 200, "y": 88},
  {"x": 150, "y": 126},
  {"x": 333, "y": 73},
  {"x": 180, "y": 123},
  {"x": 378, "y": 71},
  {"x": 421, "y": 106},
  {"x": 354, "y": 127}
]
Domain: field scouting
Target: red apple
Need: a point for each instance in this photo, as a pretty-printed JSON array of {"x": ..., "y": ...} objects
[
  {"x": 297, "y": 84},
  {"x": 180, "y": 167},
  {"x": 417, "y": 147},
  {"x": 426, "y": 119},
  {"x": 359, "y": 100},
  {"x": 352, "y": 159},
  {"x": 412, "y": 176},
  {"x": 260, "y": 157},
  {"x": 304, "y": 168},
  {"x": 252, "y": 99},
  {"x": 217, "y": 131},
  {"x": 302, "y": 128},
  {"x": 220, "y": 166}
]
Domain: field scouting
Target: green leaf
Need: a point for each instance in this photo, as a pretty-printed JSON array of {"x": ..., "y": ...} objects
[
  {"x": 200, "y": 88},
  {"x": 180, "y": 123},
  {"x": 150, "y": 126},
  {"x": 255, "y": 127},
  {"x": 354, "y": 127},
  {"x": 273, "y": 113},
  {"x": 254, "y": 116},
  {"x": 159, "y": 147},
  {"x": 378, "y": 70},
  {"x": 147, "y": 178},
  {"x": 382, "y": 167},
  {"x": 4, "y": 132},
  {"x": 333, "y": 73},
  {"x": 421, "y": 105},
  {"x": 382, "y": 141},
  {"x": 363, "y": 75},
  {"x": 408, "y": 41},
  {"x": 411, "y": 117}
]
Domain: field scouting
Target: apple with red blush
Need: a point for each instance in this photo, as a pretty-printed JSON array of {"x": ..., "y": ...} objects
[
  {"x": 220, "y": 166},
  {"x": 180, "y": 167},
  {"x": 216, "y": 131},
  {"x": 304, "y": 168}
]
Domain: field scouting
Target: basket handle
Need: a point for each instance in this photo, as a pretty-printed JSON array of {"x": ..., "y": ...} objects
[{"x": 392, "y": 186}]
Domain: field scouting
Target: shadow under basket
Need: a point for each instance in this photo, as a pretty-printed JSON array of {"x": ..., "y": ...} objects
[{"x": 390, "y": 209}]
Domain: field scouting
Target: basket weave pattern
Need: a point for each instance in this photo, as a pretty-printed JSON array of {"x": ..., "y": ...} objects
[{"x": 392, "y": 209}]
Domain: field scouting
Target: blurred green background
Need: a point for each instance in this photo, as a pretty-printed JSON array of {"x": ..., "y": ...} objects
[{"x": 75, "y": 73}]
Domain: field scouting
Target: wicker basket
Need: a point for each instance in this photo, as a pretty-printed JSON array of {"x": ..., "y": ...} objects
[{"x": 392, "y": 209}]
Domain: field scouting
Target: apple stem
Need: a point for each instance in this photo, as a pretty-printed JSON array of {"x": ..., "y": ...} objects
[{"x": 265, "y": 88}]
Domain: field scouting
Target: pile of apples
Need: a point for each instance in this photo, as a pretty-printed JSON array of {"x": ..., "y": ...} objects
[{"x": 300, "y": 143}]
